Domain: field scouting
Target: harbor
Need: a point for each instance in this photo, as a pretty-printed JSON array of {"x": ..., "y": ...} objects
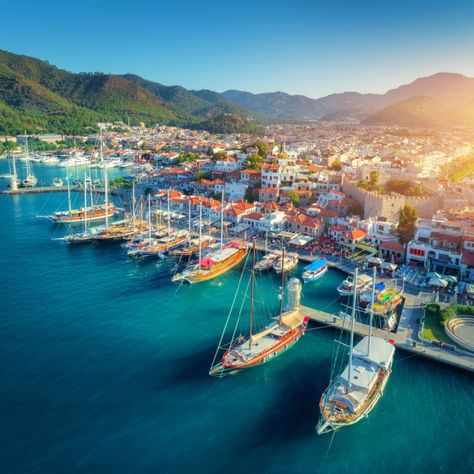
[{"x": 124, "y": 317}]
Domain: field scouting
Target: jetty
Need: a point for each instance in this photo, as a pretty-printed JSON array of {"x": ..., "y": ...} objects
[
  {"x": 405, "y": 338},
  {"x": 56, "y": 189}
]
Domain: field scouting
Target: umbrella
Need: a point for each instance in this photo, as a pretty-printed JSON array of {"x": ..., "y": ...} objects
[
  {"x": 438, "y": 282},
  {"x": 450, "y": 278},
  {"x": 375, "y": 260},
  {"x": 433, "y": 275}
]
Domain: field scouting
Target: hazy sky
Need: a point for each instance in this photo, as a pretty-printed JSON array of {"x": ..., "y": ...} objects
[{"x": 312, "y": 47}]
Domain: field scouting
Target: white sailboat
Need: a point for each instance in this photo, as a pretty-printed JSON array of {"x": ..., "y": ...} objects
[
  {"x": 353, "y": 394},
  {"x": 30, "y": 180}
]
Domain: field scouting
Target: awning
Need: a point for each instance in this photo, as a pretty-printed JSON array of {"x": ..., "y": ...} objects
[
  {"x": 438, "y": 282},
  {"x": 375, "y": 260},
  {"x": 300, "y": 240},
  {"x": 286, "y": 235},
  {"x": 239, "y": 228}
]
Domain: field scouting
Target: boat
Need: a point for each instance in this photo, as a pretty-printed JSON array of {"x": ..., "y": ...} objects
[
  {"x": 286, "y": 260},
  {"x": 265, "y": 345},
  {"x": 386, "y": 301},
  {"x": 214, "y": 263},
  {"x": 193, "y": 247},
  {"x": 266, "y": 262},
  {"x": 353, "y": 394},
  {"x": 88, "y": 234},
  {"x": 315, "y": 270},
  {"x": 30, "y": 180},
  {"x": 57, "y": 183},
  {"x": 161, "y": 246},
  {"x": 96, "y": 212},
  {"x": 346, "y": 288}
]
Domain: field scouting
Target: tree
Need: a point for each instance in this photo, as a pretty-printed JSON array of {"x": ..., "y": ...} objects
[
  {"x": 294, "y": 196},
  {"x": 407, "y": 224},
  {"x": 264, "y": 147},
  {"x": 254, "y": 162},
  {"x": 336, "y": 165},
  {"x": 356, "y": 209},
  {"x": 251, "y": 194}
]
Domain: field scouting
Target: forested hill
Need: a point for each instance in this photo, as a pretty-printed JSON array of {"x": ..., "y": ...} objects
[{"x": 38, "y": 97}]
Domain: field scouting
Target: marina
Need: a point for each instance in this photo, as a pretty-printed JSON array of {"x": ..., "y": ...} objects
[{"x": 162, "y": 357}]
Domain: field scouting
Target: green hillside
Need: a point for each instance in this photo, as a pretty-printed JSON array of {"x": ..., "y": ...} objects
[{"x": 37, "y": 97}]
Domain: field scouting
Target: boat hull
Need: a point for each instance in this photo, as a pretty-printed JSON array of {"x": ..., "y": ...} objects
[
  {"x": 327, "y": 424},
  {"x": 315, "y": 277},
  {"x": 217, "y": 270}
]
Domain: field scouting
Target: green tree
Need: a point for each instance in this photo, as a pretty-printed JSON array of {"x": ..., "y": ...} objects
[
  {"x": 294, "y": 196},
  {"x": 336, "y": 165},
  {"x": 251, "y": 194},
  {"x": 254, "y": 162},
  {"x": 264, "y": 147},
  {"x": 407, "y": 224}
]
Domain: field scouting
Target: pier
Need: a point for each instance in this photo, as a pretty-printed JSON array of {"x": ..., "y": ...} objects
[
  {"x": 57, "y": 189},
  {"x": 405, "y": 338}
]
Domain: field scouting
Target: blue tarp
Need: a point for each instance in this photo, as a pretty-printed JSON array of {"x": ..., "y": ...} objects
[
  {"x": 380, "y": 286},
  {"x": 316, "y": 265}
]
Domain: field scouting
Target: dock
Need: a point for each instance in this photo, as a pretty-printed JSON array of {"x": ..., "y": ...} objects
[
  {"x": 404, "y": 339},
  {"x": 55, "y": 189}
]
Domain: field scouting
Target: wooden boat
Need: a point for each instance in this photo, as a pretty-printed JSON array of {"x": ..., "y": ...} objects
[
  {"x": 287, "y": 260},
  {"x": 193, "y": 247},
  {"x": 266, "y": 262},
  {"x": 268, "y": 343},
  {"x": 386, "y": 301},
  {"x": 76, "y": 216},
  {"x": 163, "y": 245},
  {"x": 353, "y": 394},
  {"x": 213, "y": 264}
]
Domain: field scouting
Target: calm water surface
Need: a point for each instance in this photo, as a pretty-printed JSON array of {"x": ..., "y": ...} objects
[{"x": 104, "y": 369}]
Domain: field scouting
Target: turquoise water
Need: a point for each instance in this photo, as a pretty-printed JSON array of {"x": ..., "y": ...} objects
[{"x": 104, "y": 367}]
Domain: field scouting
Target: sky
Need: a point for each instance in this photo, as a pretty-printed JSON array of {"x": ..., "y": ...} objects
[{"x": 310, "y": 47}]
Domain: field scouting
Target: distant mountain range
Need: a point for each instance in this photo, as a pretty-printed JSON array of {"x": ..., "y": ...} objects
[
  {"x": 36, "y": 96},
  {"x": 452, "y": 93}
]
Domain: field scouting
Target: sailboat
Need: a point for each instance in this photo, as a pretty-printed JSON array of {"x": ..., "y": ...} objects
[
  {"x": 353, "y": 394},
  {"x": 193, "y": 244},
  {"x": 30, "y": 179},
  {"x": 88, "y": 234},
  {"x": 95, "y": 212},
  {"x": 273, "y": 340},
  {"x": 216, "y": 262},
  {"x": 159, "y": 247}
]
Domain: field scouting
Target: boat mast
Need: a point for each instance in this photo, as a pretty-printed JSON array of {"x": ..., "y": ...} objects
[
  {"x": 351, "y": 346},
  {"x": 91, "y": 190},
  {"x": 27, "y": 151},
  {"x": 149, "y": 218},
  {"x": 85, "y": 202},
  {"x": 133, "y": 203},
  {"x": 169, "y": 216},
  {"x": 374, "y": 276},
  {"x": 106, "y": 190},
  {"x": 189, "y": 221},
  {"x": 68, "y": 191},
  {"x": 222, "y": 218},
  {"x": 282, "y": 282},
  {"x": 252, "y": 287},
  {"x": 200, "y": 237}
]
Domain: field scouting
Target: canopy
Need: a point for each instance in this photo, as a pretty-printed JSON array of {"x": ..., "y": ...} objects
[
  {"x": 438, "y": 282},
  {"x": 380, "y": 286},
  {"x": 300, "y": 240},
  {"x": 375, "y": 260},
  {"x": 433, "y": 275},
  {"x": 316, "y": 265},
  {"x": 389, "y": 266},
  {"x": 450, "y": 278}
]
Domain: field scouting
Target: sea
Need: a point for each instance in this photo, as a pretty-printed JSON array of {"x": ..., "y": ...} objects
[{"x": 104, "y": 369}]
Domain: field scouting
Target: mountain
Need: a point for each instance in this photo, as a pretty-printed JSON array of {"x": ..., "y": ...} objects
[
  {"x": 37, "y": 96},
  {"x": 448, "y": 89},
  {"x": 424, "y": 112}
]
